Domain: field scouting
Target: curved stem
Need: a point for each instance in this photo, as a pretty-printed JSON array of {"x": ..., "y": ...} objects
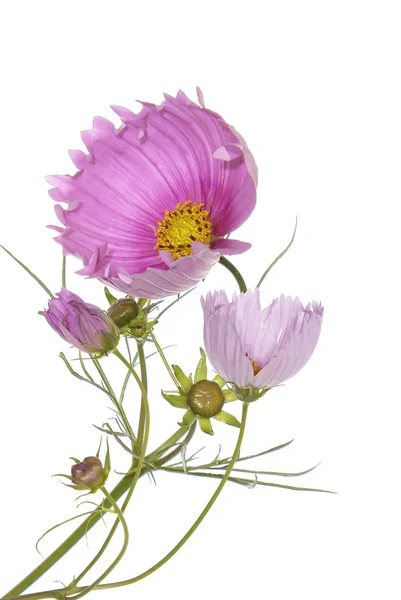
[
  {"x": 137, "y": 474},
  {"x": 234, "y": 271},
  {"x": 199, "y": 520},
  {"x": 120, "y": 519},
  {"x": 119, "y": 490},
  {"x": 113, "y": 397},
  {"x": 164, "y": 359}
]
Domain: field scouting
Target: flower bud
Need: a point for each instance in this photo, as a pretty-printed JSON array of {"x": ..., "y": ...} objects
[
  {"x": 89, "y": 473},
  {"x": 85, "y": 326},
  {"x": 123, "y": 311},
  {"x": 205, "y": 398}
]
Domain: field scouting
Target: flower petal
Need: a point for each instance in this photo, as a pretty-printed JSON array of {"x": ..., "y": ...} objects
[
  {"x": 132, "y": 175},
  {"x": 230, "y": 247},
  {"x": 184, "y": 273},
  {"x": 223, "y": 344},
  {"x": 297, "y": 350}
]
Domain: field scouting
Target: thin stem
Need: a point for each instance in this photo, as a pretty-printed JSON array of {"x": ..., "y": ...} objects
[
  {"x": 137, "y": 474},
  {"x": 120, "y": 519},
  {"x": 164, "y": 359},
  {"x": 234, "y": 271},
  {"x": 269, "y": 268},
  {"x": 199, "y": 520},
  {"x": 35, "y": 277},
  {"x": 63, "y": 275},
  {"x": 119, "y": 490},
  {"x": 144, "y": 378},
  {"x": 112, "y": 395}
]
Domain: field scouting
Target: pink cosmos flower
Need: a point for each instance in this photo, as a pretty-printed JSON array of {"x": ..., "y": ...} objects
[
  {"x": 257, "y": 348},
  {"x": 83, "y": 325},
  {"x": 150, "y": 209}
]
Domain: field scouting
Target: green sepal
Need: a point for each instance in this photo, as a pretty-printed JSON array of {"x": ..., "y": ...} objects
[
  {"x": 184, "y": 381},
  {"x": 201, "y": 369},
  {"x": 206, "y": 425},
  {"x": 219, "y": 380},
  {"x": 107, "y": 463},
  {"x": 175, "y": 400},
  {"x": 227, "y": 418},
  {"x": 110, "y": 298},
  {"x": 188, "y": 418},
  {"x": 62, "y": 475},
  {"x": 229, "y": 395}
]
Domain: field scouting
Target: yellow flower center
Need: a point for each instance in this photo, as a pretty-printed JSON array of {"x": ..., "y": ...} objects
[{"x": 187, "y": 223}]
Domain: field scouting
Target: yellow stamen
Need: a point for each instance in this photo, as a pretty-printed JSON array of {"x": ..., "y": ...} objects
[
  {"x": 256, "y": 366},
  {"x": 187, "y": 223}
]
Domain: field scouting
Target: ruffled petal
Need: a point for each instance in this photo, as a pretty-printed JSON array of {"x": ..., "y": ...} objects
[
  {"x": 296, "y": 352},
  {"x": 223, "y": 344},
  {"x": 278, "y": 340},
  {"x": 230, "y": 247},
  {"x": 183, "y": 274},
  {"x": 131, "y": 175}
]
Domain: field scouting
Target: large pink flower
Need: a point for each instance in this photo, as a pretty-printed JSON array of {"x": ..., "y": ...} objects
[
  {"x": 257, "y": 348},
  {"x": 150, "y": 208}
]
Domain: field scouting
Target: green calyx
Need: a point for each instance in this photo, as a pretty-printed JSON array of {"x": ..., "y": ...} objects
[
  {"x": 250, "y": 394},
  {"x": 202, "y": 398},
  {"x": 130, "y": 316}
]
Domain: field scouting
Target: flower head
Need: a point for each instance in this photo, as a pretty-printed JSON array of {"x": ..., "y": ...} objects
[
  {"x": 255, "y": 348},
  {"x": 203, "y": 399},
  {"x": 150, "y": 208},
  {"x": 83, "y": 325},
  {"x": 88, "y": 474}
]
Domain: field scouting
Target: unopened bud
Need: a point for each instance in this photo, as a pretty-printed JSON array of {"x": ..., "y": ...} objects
[
  {"x": 89, "y": 473},
  {"x": 123, "y": 311},
  {"x": 205, "y": 398}
]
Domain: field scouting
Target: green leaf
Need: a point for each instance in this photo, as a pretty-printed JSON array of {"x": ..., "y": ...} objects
[
  {"x": 205, "y": 425},
  {"x": 107, "y": 462},
  {"x": 175, "y": 399},
  {"x": 269, "y": 268},
  {"x": 201, "y": 369},
  {"x": 110, "y": 298},
  {"x": 184, "y": 381},
  {"x": 227, "y": 418},
  {"x": 35, "y": 277}
]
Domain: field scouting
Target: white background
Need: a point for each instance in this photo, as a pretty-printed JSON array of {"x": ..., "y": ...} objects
[{"x": 314, "y": 87}]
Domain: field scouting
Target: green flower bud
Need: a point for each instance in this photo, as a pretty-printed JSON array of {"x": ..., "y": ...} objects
[
  {"x": 88, "y": 474},
  {"x": 205, "y": 398},
  {"x": 123, "y": 311}
]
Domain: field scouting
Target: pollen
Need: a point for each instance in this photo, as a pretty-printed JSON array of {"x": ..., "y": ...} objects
[
  {"x": 256, "y": 366},
  {"x": 188, "y": 222}
]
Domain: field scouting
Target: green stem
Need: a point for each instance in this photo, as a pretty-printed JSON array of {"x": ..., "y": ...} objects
[
  {"x": 63, "y": 274},
  {"x": 164, "y": 359},
  {"x": 199, "y": 520},
  {"x": 112, "y": 395},
  {"x": 120, "y": 519},
  {"x": 119, "y": 490},
  {"x": 234, "y": 271},
  {"x": 138, "y": 471},
  {"x": 144, "y": 378}
]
